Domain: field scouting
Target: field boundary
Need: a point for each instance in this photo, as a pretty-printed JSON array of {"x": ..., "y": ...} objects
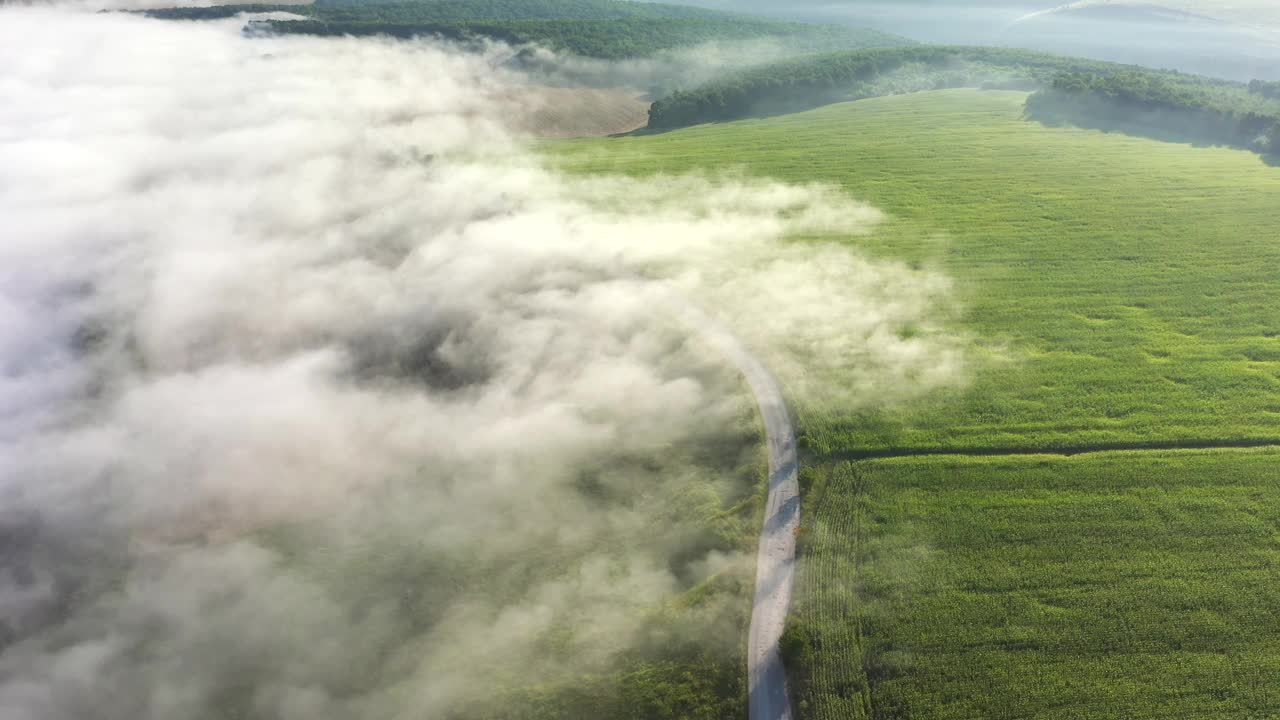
[{"x": 1065, "y": 450}]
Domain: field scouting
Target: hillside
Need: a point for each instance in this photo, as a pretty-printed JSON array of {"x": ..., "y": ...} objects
[
  {"x": 808, "y": 82},
  {"x": 609, "y": 29},
  {"x": 374, "y": 360},
  {"x": 1011, "y": 550},
  {"x": 1078, "y": 241},
  {"x": 579, "y": 112},
  {"x": 1084, "y": 92},
  {"x": 462, "y": 10}
]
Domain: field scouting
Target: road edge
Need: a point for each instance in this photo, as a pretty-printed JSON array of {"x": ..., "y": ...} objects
[{"x": 776, "y": 555}]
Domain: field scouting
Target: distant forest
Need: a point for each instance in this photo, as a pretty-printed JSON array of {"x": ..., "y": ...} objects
[
  {"x": 833, "y": 63},
  {"x": 458, "y": 10},
  {"x": 1174, "y": 108},
  {"x": 605, "y": 39},
  {"x": 813, "y": 81},
  {"x": 1265, "y": 89},
  {"x": 1082, "y": 92},
  {"x": 606, "y": 29}
]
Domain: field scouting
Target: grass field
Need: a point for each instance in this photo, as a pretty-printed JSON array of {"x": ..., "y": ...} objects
[
  {"x": 1127, "y": 287},
  {"x": 1131, "y": 585},
  {"x": 1122, "y": 293}
]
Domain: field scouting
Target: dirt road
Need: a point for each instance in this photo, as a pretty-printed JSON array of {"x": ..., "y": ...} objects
[{"x": 776, "y": 558}]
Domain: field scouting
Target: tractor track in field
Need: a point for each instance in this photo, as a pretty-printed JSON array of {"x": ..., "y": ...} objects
[
  {"x": 1064, "y": 450},
  {"x": 776, "y": 559}
]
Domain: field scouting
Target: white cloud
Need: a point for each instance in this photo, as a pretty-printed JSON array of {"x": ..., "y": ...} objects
[{"x": 246, "y": 282}]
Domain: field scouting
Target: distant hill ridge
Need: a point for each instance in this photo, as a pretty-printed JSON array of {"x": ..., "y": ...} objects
[
  {"x": 1121, "y": 10},
  {"x": 1208, "y": 109},
  {"x": 444, "y": 10},
  {"x": 610, "y": 29}
]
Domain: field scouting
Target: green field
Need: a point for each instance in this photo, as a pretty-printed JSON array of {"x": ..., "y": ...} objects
[
  {"x": 1187, "y": 106},
  {"x": 1126, "y": 289},
  {"x": 1122, "y": 293},
  {"x": 1130, "y": 585}
]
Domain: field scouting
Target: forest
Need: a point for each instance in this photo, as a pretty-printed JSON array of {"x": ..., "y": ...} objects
[
  {"x": 1154, "y": 104},
  {"x": 1265, "y": 89},
  {"x": 810, "y": 82},
  {"x": 606, "y": 29},
  {"x": 613, "y": 39},
  {"x": 441, "y": 10},
  {"x": 1224, "y": 111},
  {"x": 456, "y": 10}
]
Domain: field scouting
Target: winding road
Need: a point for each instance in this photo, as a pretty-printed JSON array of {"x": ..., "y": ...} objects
[{"x": 776, "y": 558}]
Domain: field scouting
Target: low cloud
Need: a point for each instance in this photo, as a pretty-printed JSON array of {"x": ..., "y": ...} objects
[
  {"x": 679, "y": 68},
  {"x": 322, "y": 397}
]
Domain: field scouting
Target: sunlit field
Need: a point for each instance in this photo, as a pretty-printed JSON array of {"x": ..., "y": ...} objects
[
  {"x": 1135, "y": 585},
  {"x": 1125, "y": 289},
  {"x": 1123, "y": 296},
  {"x": 401, "y": 359}
]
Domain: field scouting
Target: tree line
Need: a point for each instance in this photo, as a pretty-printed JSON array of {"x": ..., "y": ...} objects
[
  {"x": 607, "y": 29},
  {"x": 1265, "y": 89},
  {"x": 453, "y": 10},
  {"x": 611, "y": 39},
  {"x": 1076, "y": 90},
  {"x": 814, "y": 81},
  {"x": 1168, "y": 106}
]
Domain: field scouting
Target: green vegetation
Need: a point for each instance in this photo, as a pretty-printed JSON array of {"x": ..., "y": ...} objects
[
  {"x": 1147, "y": 102},
  {"x": 221, "y": 12},
  {"x": 608, "y": 39},
  {"x": 1091, "y": 527},
  {"x": 1125, "y": 288},
  {"x": 459, "y": 11},
  {"x": 639, "y": 660},
  {"x": 811, "y": 82},
  {"x": 815, "y": 81},
  {"x": 1133, "y": 585},
  {"x": 445, "y": 10},
  {"x": 1123, "y": 292},
  {"x": 1265, "y": 89},
  {"x": 610, "y": 29}
]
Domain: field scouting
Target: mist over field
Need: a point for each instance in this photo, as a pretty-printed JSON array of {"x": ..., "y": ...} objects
[
  {"x": 322, "y": 397},
  {"x": 657, "y": 75}
]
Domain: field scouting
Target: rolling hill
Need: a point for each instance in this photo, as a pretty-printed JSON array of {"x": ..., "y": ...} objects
[
  {"x": 609, "y": 29},
  {"x": 1089, "y": 530},
  {"x": 1072, "y": 90}
]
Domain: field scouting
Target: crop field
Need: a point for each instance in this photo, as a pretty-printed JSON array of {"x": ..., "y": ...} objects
[
  {"x": 1099, "y": 534},
  {"x": 1133, "y": 585},
  {"x": 1125, "y": 290}
]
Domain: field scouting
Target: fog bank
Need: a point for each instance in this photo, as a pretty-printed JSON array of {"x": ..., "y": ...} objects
[
  {"x": 1235, "y": 40},
  {"x": 323, "y": 398}
]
